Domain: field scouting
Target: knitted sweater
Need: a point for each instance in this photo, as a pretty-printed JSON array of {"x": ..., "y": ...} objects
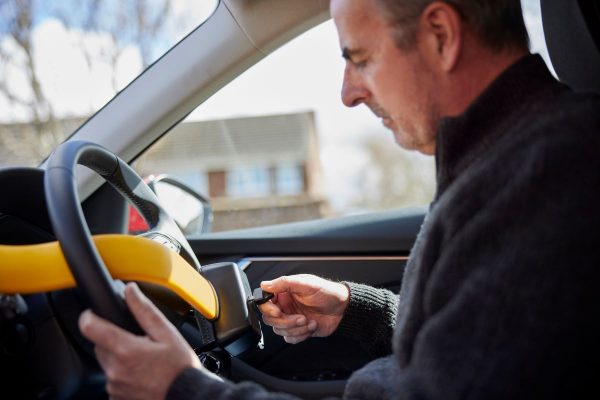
[{"x": 501, "y": 294}]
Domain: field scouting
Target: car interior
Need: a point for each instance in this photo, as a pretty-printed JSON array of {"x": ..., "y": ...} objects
[{"x": 64, "y": 243}]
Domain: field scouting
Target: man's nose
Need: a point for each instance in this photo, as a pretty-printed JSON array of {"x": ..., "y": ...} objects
[{"x": 353, "y": 89}]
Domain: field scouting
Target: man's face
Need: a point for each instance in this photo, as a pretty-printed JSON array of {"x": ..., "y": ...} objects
[{"x": 395, "y": 84}]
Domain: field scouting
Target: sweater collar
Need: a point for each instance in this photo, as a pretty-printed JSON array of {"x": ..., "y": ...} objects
[{"x": 464, "y": 138}]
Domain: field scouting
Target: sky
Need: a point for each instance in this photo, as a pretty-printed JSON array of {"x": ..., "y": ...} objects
[
  {"x": 303, "y": 75},
  {"x": 73, "y": 86}
]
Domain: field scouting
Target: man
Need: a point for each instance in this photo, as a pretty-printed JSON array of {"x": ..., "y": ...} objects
[{"x": 499, "y": 298}]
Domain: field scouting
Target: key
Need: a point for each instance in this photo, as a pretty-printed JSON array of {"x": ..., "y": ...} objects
[{"x": 261, "y": 297}]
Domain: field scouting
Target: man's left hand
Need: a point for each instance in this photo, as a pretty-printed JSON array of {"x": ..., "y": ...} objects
[{"x": 138, "y": 367}]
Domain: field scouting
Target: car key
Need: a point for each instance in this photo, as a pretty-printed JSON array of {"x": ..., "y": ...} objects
[{"x": 261, "y": 297}]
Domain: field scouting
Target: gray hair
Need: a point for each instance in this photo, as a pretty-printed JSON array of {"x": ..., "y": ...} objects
[{"x": 498, "y": 24}]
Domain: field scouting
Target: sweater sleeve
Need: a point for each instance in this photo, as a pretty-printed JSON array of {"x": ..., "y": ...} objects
[
  {"x": 195, "y": 384},
  {"x": 378, "y": 307}
]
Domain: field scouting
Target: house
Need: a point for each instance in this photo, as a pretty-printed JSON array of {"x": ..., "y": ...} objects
[
  {"x": 256, "y": 170},
  {"x": 28, "y": 144}
]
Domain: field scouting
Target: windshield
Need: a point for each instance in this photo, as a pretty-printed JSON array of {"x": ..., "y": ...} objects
[{"x": 61, "y": 61}]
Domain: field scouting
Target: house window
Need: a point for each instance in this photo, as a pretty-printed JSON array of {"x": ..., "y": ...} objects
[
  {"x": 196, "y": 180},
  {"x": 248, "y": 182},
  {"x": 289, "y": 180}
]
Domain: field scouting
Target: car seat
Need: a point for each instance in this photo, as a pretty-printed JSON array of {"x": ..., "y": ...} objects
[{"x": 572, "y": 31}]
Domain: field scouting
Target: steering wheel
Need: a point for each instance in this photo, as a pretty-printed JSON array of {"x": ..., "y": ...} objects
[{"x": 88, "y": 269}]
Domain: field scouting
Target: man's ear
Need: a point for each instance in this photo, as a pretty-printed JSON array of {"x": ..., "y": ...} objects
[{"x": 441, "y": 27}]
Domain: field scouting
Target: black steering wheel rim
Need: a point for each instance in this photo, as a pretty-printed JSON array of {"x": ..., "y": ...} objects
[{"x": 68, "y": 222}]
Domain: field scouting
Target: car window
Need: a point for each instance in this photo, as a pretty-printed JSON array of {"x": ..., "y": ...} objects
[
  {"x": 61, "y": 61},
  {"x": 274, "y": 146},
  {"x": 277, "y": 145}
]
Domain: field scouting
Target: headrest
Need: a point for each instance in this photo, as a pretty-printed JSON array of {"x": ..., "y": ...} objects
[{"x": 572, "y": 31}]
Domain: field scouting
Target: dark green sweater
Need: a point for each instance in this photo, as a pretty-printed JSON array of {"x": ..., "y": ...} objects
[{"x": 501, "y": 296}]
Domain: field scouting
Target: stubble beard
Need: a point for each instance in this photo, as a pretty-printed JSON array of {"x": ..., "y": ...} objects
[
  {"x": 401, "y": 131},
  {"x": 408, "y": 134}
]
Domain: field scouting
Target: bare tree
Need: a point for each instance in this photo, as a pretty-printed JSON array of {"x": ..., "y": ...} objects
[
  {"x": 134, "y": 22},
  {"x": 17, "y": 17},
  {"x": 126, "y": 22},
  {"x": 395, "y": 177}
]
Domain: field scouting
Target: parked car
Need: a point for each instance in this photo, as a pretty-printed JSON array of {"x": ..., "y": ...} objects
[{"x": 42, "y": 353}]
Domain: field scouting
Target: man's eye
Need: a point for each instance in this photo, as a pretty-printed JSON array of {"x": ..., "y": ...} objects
[{"x": 360, "y": 64}]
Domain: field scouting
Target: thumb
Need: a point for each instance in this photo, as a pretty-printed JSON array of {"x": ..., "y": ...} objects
[
  {"x": 278, "y": 285},
  {"x": 152, "y": 321},
  {"x": 297, "y": 284}
]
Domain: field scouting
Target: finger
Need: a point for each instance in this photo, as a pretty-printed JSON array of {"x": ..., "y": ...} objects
[
  {"x": 116, "y": 391},
  {"x": 286, "y": 301},
  {"x": 103, "y": 357},
  {"x": 107, "y": 362},
  {"x": 152, "y": 321},
  {"x": 286, "y": 321},
  {"x": 117, "y": 385},
  {"x": 299, "y": 331},
  {"x": 271, "y": 310},
  {"x": 102, "y": 332},
  {"x": 295, "y": 339}
]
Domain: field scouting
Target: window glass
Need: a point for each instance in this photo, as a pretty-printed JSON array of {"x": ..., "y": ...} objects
[
  {"x": 289, "y": 180},
  {"x": 193, "y": 178},
  {"x": 248, "y": 182},
  {"x": 278, "y": 145},
  {"x": 61, "y": 61}
]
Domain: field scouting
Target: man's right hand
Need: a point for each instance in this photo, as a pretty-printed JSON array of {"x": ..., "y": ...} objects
[{"x": 304, "y": 306}]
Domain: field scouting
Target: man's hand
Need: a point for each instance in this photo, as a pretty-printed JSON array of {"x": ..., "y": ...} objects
[
  {"x": 138, "y": 367},
  {"x": 304, "y": 306}
]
